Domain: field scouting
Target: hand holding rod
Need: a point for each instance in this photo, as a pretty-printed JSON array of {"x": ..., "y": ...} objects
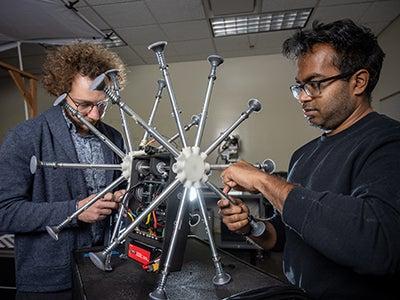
[
  {"x": 268, "y": 166},
  {"x": 215, "y": 61},
  {"x": 158, "y": 49},
  {"x": 54, "y": 230},
  {"x": 99, "y": 258},
  {"x": 161, "y": 86},
  {"x": 254, "y": 106},
  {"x": 257, "y": 228}
]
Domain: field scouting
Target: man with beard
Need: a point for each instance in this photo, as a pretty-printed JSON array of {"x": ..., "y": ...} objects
[
  {"x": 340, "y": 206},
  {"x": 29, "y": 203}
]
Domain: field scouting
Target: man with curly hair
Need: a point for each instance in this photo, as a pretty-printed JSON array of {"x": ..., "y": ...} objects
[
  {"x": 29, "y": 203},
  {"x": 340, "y": 205}
]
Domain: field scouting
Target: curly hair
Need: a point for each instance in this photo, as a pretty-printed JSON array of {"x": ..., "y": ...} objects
[
  {"x": 356, "y": 47},
  {"x": 64, "y": 62}
]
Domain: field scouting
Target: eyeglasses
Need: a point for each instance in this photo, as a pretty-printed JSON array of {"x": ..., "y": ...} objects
[
  {"x": 313, "y": 87},
  {"x": 85, "y": 107}
]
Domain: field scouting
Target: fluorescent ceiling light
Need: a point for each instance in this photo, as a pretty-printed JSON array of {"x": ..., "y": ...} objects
[{"x": 281, "y": 20}]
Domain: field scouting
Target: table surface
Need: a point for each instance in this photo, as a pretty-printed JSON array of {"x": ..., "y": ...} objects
[{"x": 194, "y": 281}]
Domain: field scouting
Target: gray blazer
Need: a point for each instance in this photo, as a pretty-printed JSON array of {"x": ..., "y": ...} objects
[{"x": 28, "y": 203}]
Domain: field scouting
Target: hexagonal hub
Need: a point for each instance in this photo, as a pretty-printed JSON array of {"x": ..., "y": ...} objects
[{"x": 191, "y": 168}]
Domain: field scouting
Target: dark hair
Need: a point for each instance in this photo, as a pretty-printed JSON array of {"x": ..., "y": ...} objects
[
  {"x": 64, "y": 62},
  {"x": 356, "y": 47}
]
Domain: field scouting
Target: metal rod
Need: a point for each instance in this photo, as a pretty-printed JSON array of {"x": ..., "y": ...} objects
[
  {"x": 254, "y": 106},
  {"x": 126, "y": 134},
  {"x": 158, "y": 48},
  {"x": 56, "y": 165},
  {"x": 99, "y": 258},
  {"x": 117, "y": 224},
  {"x": 220, "y": 277},
  {"x": 161, "y": 85},
  {"x": 171, "y": 248},
  {"x": 195, "y": 121},
  {"x": 257, "y": 228},
  {"x": 268, "y": 166},
  {"x": 101, "y": 136},
  {"x": 159, "y": 138},
  {"x": 54, "y": 230},
  {"x": 215, "y": 61}
]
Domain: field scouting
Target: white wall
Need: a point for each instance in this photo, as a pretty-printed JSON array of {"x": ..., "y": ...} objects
[{"x": 387, "y": 92}]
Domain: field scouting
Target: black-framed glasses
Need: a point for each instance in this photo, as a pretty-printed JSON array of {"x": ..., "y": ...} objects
[
  {"x": 85, "y": 106},
  {"x": 313, "y": 87}
]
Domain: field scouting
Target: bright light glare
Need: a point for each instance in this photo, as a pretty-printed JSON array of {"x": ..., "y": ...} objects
[{"x": 192, "y": 194}]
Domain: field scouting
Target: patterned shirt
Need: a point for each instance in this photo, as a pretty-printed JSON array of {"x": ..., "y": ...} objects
[{"x": 89, "y": 151}]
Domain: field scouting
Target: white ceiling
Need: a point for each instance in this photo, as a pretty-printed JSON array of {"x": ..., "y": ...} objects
[{"x": 183, "y": 23}]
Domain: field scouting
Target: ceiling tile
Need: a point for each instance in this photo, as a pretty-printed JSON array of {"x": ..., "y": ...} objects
[
  {"x": 91, "y": 15},
  {"x": 250, "y": 52},
  {"x": 190, "y": 30},
  {"x": 277, "y": 5},
  {"x": 376, "y": 27},
  {"x": 381, "y": 11},
  {"x": 125, "y": 14},
  {"x": 187, "y": 58},
  {"x": 273, "y": 39},
  {"x": 333, "y": 13},
  {"x": 141, "y": 35},
  {"x": 232, "y": 43},
  {"x": 176, "y": 10},
  {"x": 100, "y": 2},
  {"x": 128, "y": 56},
  {"x": 204, "y": 46}
]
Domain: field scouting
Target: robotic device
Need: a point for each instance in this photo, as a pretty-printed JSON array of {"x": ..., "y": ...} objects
[{"x": 159, "y": 180}]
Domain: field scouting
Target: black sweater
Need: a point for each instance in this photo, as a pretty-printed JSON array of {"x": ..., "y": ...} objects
[{"x": 343, "y": 221}]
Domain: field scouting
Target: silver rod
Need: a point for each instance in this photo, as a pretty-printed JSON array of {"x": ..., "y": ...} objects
[
  {"x": 56, "y": 165},
  {"x": 142, "y": 216},
  {"x": 215, "y": 61},
  {"x": 177, "y": 227},
  {"x": 117, "y": 224},
  {"x": 257, "y": 228},
  {"x": 203, "y": 211},
  {"x": 126, "y": 134},
  {"x": 268, "y": 166},
  {"x": 174, "y": 106},
  {"x": 101, "y": 136},
  {"x": 254, "y": 105},
  {"x": 204, "y": 112},
  {"x": 220, "y": 277},
  {"x": 110, "y": 187},
  {"x": 152, "y": 131},
  {"x": 158, "y": 49},
  {"x": 195, "y": 121},
  {"x": 161, "y": 85}
]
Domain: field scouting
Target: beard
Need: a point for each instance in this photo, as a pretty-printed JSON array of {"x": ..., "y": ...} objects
[{"x": 337, "y": 109}]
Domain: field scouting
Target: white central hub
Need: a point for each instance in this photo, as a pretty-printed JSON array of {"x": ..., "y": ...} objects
[
  {"x": 126, "y": 165},
  {"x": 191, "y": 168}
]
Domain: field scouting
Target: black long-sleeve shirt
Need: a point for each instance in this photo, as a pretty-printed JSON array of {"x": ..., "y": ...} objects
[{"x": 343, "y": 221}]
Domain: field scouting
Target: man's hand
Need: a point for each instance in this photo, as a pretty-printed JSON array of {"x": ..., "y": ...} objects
[
  {"x": 241, "y": 176},
  {"x": 235, "y": 217},
  {"x": 101, "y": 208}
]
